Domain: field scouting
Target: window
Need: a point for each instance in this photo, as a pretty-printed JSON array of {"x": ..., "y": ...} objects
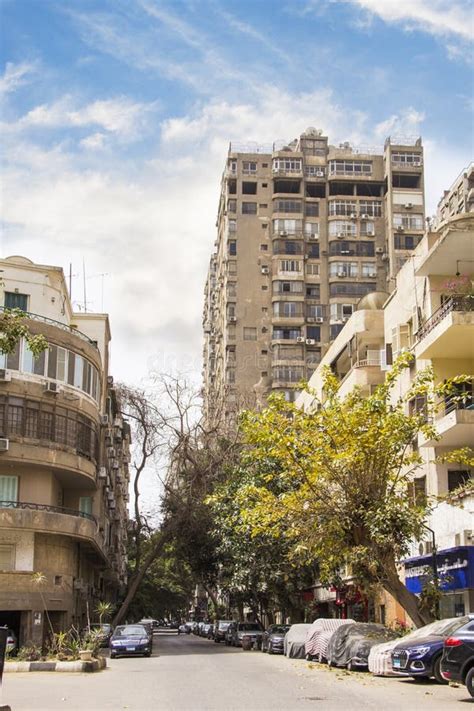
[
  {"x": 313, "y": 332},
  {"x": 292, "y": 352},
  {"x": 232, "y": 225},
  {"x": 290, "y": 265},
  {"x": 457, "y": 478},
  {"x": 345, "y": 208},
  {"x": 232, "y": 247},
  {"x": 249, "y": 167},
  {"x": 312, "y": 250},
  {"x": 406, "y": 159},
  {"x": 7, "y": 557},
  {"x": 347, "y": 269},
  {"x": 350, "y": 167},
  {"x": 289, "y": 227},
  {"x": 9, "y": 488},
  {"x": 311, "y": 209},
  {"x": 312, "y": 291},
  {"x": 287, "y": 206},
  {"x": 340, "y": 228},
  {"x": 249, "y": 208},
  {"x": 287, "y": 287},
  {"x": 406, "y": 241},
  {"x": 288, "y": 373},
  {"x": 85, "y": 505},
  {"x": 341, "y": 312},
  {"x": 232, "y": 187},
  {"x": 287, "y": 165},
  {"x": 311, "y": 229},
  {"x": 367, "y": 229},
  {"x": 232, "y": 266},
  {"x": 233, "y": 166},
  {"x": 408, "y": 221},
  {"x": 334, "y": 330},
  {"x": 314, "y": 310},
  {"x": 264, "y": 247},
  {"x": 314, "y": 171},
  {"x": 250, "y": 334},
  {"x": 368, "y": 269},
  {"x": 372, "y": 208},
  {"x": 287, "y": 247},
  {"x": 232, "y": 205},
  {"x": 13, "y": 300},
  {"x": 288, "y": 309},
  {"x": 286, "y": 334},
  {"x": 350, "y": 289},
  {"x": 249, "y": 188},
  {"x": 312, "y": 269}
]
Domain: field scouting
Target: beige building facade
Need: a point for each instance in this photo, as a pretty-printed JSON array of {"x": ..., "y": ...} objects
[
  {"x": 64, "y": 452},
  {"x": 304, "y": 231}
]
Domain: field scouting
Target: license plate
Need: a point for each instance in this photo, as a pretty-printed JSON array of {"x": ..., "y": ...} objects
[
  {"x": 130, "y": 649},
  {"x": 396, "y": 663}
]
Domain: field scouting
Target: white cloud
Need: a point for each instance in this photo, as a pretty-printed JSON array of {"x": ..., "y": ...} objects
[
  {"x": 442, "y": 18},
  {"x": 120, "y": 116},
  {"x": 96, "y": 141},
  {"x": 15, "y": 75},
  {"x": 406, "y": 123}
]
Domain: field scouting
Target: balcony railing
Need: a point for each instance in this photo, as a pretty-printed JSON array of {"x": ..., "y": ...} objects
[
  {"x": 459, "y": 302},
  {"x": 45, "y": 507},
  {"x": 57, "y": 324}
]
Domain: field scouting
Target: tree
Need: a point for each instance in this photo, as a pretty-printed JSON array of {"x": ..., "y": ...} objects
[
  {"x": 333, "y": 482},
  {"x": 13, "y": 328}
]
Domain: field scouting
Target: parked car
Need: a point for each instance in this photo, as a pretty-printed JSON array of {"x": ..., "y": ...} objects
[
  {"x": 350, "y": 645},
  {"x": 130, "y": 640},
  {"x": 249, "y": 629},
  {"x": 12, "y": 642},
  {"x": 103, "y": 631},
  {"x": 148, "y": 625},
  {"x": 195, "y": 627},
  {"x": 206, "y": 630},
  {"x": 421, "y": 656},
  {"x": 272, "y": 639},
  {"x": 457, "y": 662},
  {"x": 319, "y": 635},
  {"x": 295, "y": 640},
  {"x": 380, "y": 658},
  {"x": 220, "y": 629}
]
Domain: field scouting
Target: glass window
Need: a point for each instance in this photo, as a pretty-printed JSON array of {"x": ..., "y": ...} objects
[
  {"x": 311, "y": 209},
  {"x": 287, "y": 287},
  {"x": 249, "y": 208},
  {"x": 342, "y": 207},
  {"x": 371, "y": 208},
  {"x": 350, "y": 288},
  {"x": 287, "y": 165},
  {"x": 312, "y": 269},
  {"x": 52, "y": 361},
  {"x": 290, "y": 265},
  {"x": 13, "y": 359},
  {"x": 313, "y": 332},
  {"x": 233, "y": 247},
  {"x": 232, "y": 205},
  {"x": 250, "y": 334},
  {"x": 368, "y": 269},
  {"x": 7, "y": 556},
  {"x": 407, "y": 159},
  {"x": 16, "y": 301},
  {"x": 78, "y": 371},
  {"x": 287, "y": 206},
  {"x": 341, "y": 228},
  {"x": 61, "y": 365},
  {"x": 285, "y": 334},
  {"x": 287, "y": 309},
  {"x": 248, "y": 167},
  {"x": 286, "y": 226},
  {"x": 343, "y": 269},
  {"x": 85, "y": 504},
  {"x": 28, "y": 365},
  {"x": 350, "y": 167},
  {"x": 8, "y": 488},
  {"x": 314, "y": 171},
  {"x": 311, "y": 228},
  {"x": 408, "y": 221}
]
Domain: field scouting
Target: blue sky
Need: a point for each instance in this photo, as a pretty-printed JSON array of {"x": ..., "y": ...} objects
[{"x": 116, "y": 117}]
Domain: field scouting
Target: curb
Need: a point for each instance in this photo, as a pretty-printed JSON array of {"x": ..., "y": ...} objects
[{"x": 78, "y": 666}]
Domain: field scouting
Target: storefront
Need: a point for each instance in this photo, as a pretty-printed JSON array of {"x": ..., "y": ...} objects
[{"x": 455, "y": 575}]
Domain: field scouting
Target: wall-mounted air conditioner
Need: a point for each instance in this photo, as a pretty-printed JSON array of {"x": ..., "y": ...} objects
[
  {"x": 52, "y": 388},
  {"x": 264, "y": 270},
  {"x": 400, "y": 228},
  {"x": 232, "y": 319},
  {"x": 5, "y": 375},
  {"x": 379, "y": 250},
  {"x": 104, "y": 420},
  {"x": 4, "y": 444},
  {"x": 319, "y": 319},
  {"x": 320, "y": 174},
  {"x": 103, "y": 473},
  {"x": 300, "y": 339},
  {"x": 310, "y": 342},
  {"x": 365, "y": 216},
  {"x": 314, "y": 235},
  {"x": 341, "y": 275},
  {"x": 408, "y": 205},
  {"x": 353, "y": 215}
]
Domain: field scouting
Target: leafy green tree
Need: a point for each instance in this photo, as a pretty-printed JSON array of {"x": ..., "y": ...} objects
[
  {"x": 333, "y": 482},
  {"x": 13, "y": 328}
]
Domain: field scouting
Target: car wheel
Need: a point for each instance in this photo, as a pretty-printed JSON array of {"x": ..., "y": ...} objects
[
  {"x": 147, "y": 654},
  {"x": 269, "y": 649},
  {"x": 437, "y": 671},
  {"x": 217, "y": 641},
  {"x": 470, "y": 681},
  {"x": 112, "y": 655},
  {"x": 350, "y": 666},
  {"x": 420, "y": 679}
]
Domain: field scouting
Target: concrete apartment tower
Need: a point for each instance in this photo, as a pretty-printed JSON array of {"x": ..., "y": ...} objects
[
  {"x": 64, "y": 451},
  {"x": 304, "y": 231}
]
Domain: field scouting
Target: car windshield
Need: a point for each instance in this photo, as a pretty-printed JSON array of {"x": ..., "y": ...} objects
[
  {"x": 223, "y": 625},
  {"x": 279, "y": 629},
  {"x": 249, "y": 627},
  {"x": 440, "y": 627},
  {"x": 130, "y": 631}
]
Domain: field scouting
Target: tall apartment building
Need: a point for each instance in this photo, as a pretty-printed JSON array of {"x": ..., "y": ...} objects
[
  {"x": 304, "y": 231},
  {"x": 64, "y": 451}
]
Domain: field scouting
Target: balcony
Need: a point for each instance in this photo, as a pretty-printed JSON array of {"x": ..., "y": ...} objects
[
  {"x": 454, "y": 424},
  {"x": 54, "y": 520},
  {"x": 449, "y": 331},
  {"x": 57, "y": 324}
]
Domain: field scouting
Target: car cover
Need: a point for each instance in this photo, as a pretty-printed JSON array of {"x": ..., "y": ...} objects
[
  {"x": 294, "y": 642},
  {"x": 380, "y": 658},
  {"x": 319, "y": 635},
  {"x": 352, "y": 643}
]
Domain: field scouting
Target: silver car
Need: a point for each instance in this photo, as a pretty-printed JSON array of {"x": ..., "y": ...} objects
[{"x": 245, "y": 629}]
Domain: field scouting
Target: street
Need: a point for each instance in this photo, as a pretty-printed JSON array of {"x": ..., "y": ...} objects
[{"x": 188, "y": 673}]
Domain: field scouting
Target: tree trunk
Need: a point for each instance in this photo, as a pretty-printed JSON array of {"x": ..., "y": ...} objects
[
  {"x": 163, "y": 538},
  {"x": 408, "y": 600},
  {"x": 214, "y": 599}
]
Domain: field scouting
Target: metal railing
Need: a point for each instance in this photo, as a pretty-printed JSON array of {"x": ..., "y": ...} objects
[
  {"x": 459, "y": 302},
  {"x": 57, "y": 324},
  {"x": 45, "y": 507}
]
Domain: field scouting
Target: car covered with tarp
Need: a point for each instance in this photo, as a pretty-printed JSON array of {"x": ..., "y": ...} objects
[
  {"x": 295, "y": 640},
  {"x": 350, "y": 645},
  {"x": 319, "y": 634}
]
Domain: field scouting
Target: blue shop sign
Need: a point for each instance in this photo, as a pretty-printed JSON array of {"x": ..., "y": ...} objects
[{"x": 455, "y": 569}]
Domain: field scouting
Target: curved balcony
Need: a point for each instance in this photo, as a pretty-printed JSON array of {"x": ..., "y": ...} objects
[
  {"x": 53, "y": 520},
  {"x": 57, "y": 324},
  {"x": 449, "y": 329}
]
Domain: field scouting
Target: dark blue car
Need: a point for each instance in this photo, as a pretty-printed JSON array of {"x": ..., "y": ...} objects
[
  {"x": 457, "y": 663},
  {"x": 130, "y": 640},
  {"x": 421, "y": 657}
]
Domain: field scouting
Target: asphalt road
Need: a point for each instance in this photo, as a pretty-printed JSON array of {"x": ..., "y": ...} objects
[{"x": 187, "y": 673}]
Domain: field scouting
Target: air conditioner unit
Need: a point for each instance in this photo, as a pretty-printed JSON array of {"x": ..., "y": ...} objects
[
  {"x": 319, "y": 319},
  {"x": 111, "y": 452},
  {"x": 353, "y": 215},
  {"x": 408, "y": 205},
  {"x": 341, "y": 275},
  {"x": 110, "y": 380},
  {"x": 365, "y": 216},
  {"x": 345, "y": 251},
  {"x": 310, "y": 342},
  {"x": 340, "y": 235},
  {"x": 5, "y": 375},
  {"x": 115, "y": 464},
  {"x": 385, "y": 257},
  {"x": 320, "y": 174},
  {"x": 104, "y": 419},
  {"x": 103, "y": 473},
  {"x": 300, "y": 339},
  {"x": 53, "y": 388},
  {"x": 283, "y": 233},
  {"x": 400, "y": 228},
  {"x": 314, "y": 235},
  {"x": 379, "y": 250},
  {"x": 264, "y": 270},
  {"x": 4, "y": 444},
  {"x": 232, "y": 319}
]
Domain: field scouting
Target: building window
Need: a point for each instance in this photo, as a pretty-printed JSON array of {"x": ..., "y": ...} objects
[
  {"x": 232, "y": 267},
  {"x": 312, "y": 291},
  {"x": 287, "y": 165},
  {"x": 406, "y": 241},
  {"x": 341, "y": 312},
  {"x": 16, "y": 301},
  {"x": 250, "y": 334},
  {"x": 368, "y": 269},
  {"x": 311, "y": 209},
  {"x": 312, "y": 269},
  {"x": 232, "y": 225},
  {"x": 457, "y": 478},
  {"x": 264, "y": 247},
  {"x": 249, "y": 167},
  {"x": 408, "y": 222},
  {"x": 314, "y": 171},
  {"x": 286, "y": 334},
  {"x": 350, "y": 167},
  {"x": 8, "y": 488},
  {"x": 288, "y": 309},
  {"x": 249, "y": 208},
  {"x": 314, "y": 310},
  {"x": 334, "y": 330},
  {"x": 85, "y": 505},
  {"x": 232, "y": 205},
  {"x": 350, "y": 289},
  {"x": 249, "y": 188},
  {"x": 312, "y": 250},
  {"x": 289, "y": 227},
  {"x": 367, "y": 229},
  {"x": 233, "y": 166},
  {"x": 311, "y": 229},
  {"x": 288, "y": 373},
  {"x": 340, "y": 228},
  {"x": 313, "y": 333},
  {"x": 343, "y": 269},
  {"x": 345, "y": 208},
  {"x": 232, "y": 248},
  {"x": 372, "y": 208},
  {"x": 290, "y": 265},
  {"x": 287, "y": 287},
  {"x": 7, "y": 557},
  {"x": 287, "y": 206},
  {"x": 406, "y": 159}
]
